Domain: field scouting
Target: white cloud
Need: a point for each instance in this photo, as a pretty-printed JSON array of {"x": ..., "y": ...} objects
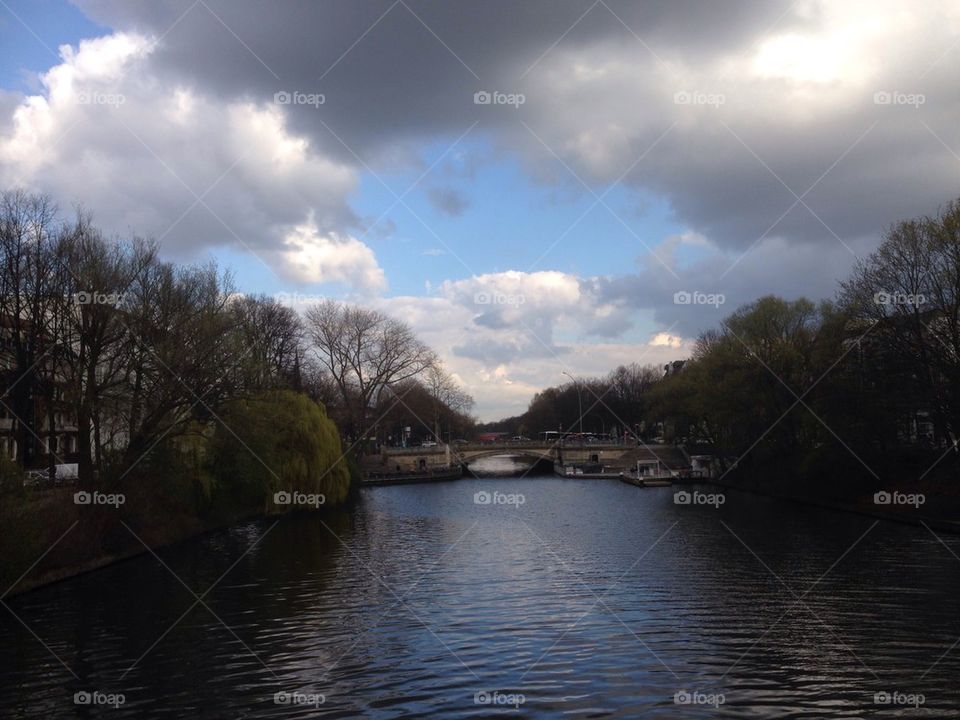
[
  {"x": 666, "y": 340},
  {"x": 508, "y": 335},
  {"x": 157, "y": 157},
  {"x": 310, "y": 257}
]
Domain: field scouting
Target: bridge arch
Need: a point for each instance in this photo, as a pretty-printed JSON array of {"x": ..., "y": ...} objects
[{"x": 467, "y": 456}]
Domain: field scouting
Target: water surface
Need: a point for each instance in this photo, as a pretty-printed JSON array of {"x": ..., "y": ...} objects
[{"x": 582, "y": 598}]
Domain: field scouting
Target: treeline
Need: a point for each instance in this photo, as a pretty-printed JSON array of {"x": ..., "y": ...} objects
[
  {"x": 616, "y": 404},
  {"x": 115, "y": 359},
  {"x": 859, "y": 391},
  {"x": 864, "y": 388}
]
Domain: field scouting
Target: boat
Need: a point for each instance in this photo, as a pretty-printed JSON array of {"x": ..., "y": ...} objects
[
  {"x": 650, "y": 473},
  {"x": 591, "y": 471}
]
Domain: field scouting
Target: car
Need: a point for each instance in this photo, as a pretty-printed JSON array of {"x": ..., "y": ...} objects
[
  {"x": 461, "y": 441},
  {"x": 519, "y": 438},
  {"x": 428, "y": 443}
]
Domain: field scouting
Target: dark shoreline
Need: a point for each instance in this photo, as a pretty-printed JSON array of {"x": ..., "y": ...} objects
[{"x": 52, "y": 577}]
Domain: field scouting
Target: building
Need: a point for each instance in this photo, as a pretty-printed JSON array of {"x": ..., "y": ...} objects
[
  {"x": 49, "y": 428},
  {"x": 672, "y": 368}
]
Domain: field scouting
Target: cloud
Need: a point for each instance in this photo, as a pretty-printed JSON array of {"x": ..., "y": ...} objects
[
  {"x": 448, "y": 201},
  {"x": 503, "y": 366},
  {"x": 161, "y": 158},
  {"x": 718, "y": 281},
  {"x": 780, "y": 135},
  {"x": 309, "y": 257},
  {"x": 524, "y": 311},
  {"x": 666, "y": 340},
  {"x": 794, "y": 88}
]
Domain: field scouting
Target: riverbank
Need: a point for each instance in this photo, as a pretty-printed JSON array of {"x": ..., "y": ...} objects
[
  {"x": 92, "y": 538},
  {"x": 284, "y": 456},
  {"x": 372, "y": 480}
]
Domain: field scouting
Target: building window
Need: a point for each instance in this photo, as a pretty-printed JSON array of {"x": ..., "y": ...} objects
[{"x": 8, "y": 446}]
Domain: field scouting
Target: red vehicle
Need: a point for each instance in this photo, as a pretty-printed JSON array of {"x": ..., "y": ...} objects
[{"x": 492, "y": 437}]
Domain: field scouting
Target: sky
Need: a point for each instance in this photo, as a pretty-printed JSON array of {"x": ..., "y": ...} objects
[{"x": 536, "y": 187}]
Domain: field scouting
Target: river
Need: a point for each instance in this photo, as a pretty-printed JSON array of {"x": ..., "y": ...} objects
[{"x": 531, "y": 597}]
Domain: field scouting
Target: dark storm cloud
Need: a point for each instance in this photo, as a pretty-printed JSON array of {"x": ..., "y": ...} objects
[
  {"x": 405, "y": 71},
  {"x": 799, "y": 151}
]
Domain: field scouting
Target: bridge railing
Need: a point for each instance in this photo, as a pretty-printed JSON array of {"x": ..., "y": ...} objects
[{"x": 506, "y": 445}]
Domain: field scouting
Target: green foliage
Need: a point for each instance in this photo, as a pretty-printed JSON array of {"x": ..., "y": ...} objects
[{"x": 277, "y": 440}]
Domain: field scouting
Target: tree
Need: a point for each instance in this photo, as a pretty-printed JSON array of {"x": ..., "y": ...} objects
[
  {"x": 94, "y": 332},
  {"x": 185, "y": 358},
  {"x": 627, "y": 393},
  {"x": 272, "y": 335},
  {"x": 273, "y": 441},
  {"x": 909, "y": 289},
  {"x": 739, "y": 391},
  {"x": 365, "y": 352},
  {"x": 447, "y": 396},
  {"x": 28, "y": 232}
]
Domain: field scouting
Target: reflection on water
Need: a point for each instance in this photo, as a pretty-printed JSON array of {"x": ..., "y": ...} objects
[
  {"x": 588, "y": 599},
  {"x": 505, "y": 465}
]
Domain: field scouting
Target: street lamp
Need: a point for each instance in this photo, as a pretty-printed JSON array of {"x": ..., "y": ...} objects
[{"x": 579, "y": 399}]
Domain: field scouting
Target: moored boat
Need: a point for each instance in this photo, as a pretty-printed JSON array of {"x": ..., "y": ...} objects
[{"x": 651, "y": 473}]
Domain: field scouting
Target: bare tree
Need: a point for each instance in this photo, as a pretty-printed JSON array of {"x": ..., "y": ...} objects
[
  {"x": 185, "y": 358},
  {"x": 446, "y": 394},
  {"x": 27, "y": 266},
  {"x": 271, "y": 334},
  {"x": 94, "y": 328},
  {"x": 364, "y": 351}
]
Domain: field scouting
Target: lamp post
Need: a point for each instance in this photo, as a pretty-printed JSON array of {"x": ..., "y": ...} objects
[{"x": 579, "y": 399}]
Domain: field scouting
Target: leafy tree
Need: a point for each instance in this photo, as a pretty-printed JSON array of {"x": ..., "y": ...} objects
[
  {"x": 277, "y": 440},
  {"x": 910, "y": 290}
]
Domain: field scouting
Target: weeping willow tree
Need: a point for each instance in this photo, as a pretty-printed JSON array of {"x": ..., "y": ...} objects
[{"x": 278, "y": 441}]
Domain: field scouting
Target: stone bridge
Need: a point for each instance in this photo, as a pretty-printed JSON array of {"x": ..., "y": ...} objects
[{"x": 447, "y": 456}]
